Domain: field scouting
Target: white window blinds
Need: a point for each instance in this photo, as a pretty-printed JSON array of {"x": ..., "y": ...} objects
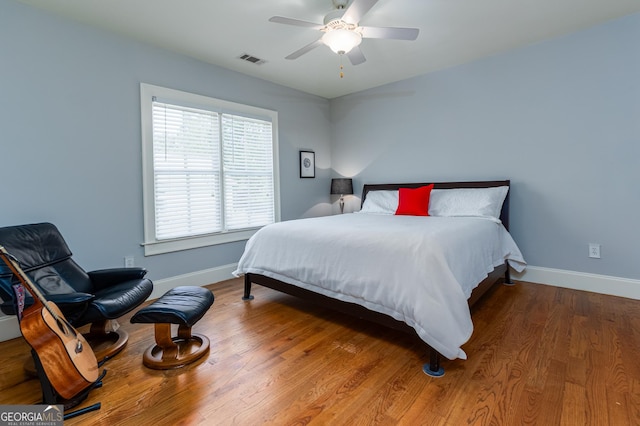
[
  {"x": 210, "y": 174},
  {"x": 248, "y": 172},
  {"x": 186, "y": 168}
]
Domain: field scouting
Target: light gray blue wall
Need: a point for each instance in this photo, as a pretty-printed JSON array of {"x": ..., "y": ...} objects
[
  {"x": 561, "y": 119},
  {"x": 70, "y": 150}
]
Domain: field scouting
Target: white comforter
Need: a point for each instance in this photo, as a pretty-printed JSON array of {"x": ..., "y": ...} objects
[{"x": 419, "y": 270}]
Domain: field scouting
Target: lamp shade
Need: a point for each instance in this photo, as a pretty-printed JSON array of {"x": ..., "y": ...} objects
[{"x": 342, "y": 186}]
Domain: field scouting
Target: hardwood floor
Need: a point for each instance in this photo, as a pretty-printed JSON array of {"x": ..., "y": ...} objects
[{"x": 539, "y": 355}]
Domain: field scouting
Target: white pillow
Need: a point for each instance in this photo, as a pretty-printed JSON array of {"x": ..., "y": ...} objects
[
  {"x": 380, "y": 202},
  {"x": 486, "y": 202}
]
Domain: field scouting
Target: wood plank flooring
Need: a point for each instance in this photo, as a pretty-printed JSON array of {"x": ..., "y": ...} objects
[{"x": 539, "y": 355}]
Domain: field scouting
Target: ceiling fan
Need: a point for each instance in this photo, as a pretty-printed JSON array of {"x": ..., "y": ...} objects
[{"x": 342, "y": 34}]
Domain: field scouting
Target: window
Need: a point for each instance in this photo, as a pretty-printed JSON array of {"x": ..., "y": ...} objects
[{"x": 210, "y": 172}]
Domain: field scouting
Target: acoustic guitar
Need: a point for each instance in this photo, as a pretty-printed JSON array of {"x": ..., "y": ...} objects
[{"x": 67, "y": 359}]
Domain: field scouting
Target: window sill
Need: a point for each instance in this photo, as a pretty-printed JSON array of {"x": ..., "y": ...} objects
[{"x": 168, "y": 246}]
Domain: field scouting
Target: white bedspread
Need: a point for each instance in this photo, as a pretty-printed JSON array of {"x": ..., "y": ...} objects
[{"x": 419, "y": 270}]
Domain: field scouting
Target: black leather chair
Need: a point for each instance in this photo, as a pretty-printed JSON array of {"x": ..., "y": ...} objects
[{"x": 97, "y": 298}]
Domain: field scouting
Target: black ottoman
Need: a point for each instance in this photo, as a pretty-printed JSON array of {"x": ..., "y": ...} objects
[{"x": 184, "y": 306}]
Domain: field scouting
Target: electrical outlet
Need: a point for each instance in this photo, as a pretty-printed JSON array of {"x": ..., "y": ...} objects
[
  {"x": 128, "y": 262},
  {"x": 594, "y": 250}
]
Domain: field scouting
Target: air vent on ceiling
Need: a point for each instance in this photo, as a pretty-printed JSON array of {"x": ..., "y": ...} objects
[{"x": 252, "y": 59}]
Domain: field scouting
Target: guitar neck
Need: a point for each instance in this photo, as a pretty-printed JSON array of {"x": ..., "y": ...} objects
[{"x": 22, "y": 276}]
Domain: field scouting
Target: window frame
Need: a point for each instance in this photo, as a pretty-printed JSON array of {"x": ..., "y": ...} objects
[{"x": 151, "y": 244}]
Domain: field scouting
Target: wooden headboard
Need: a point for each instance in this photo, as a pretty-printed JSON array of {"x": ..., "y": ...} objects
[{"x": 504, "y": 214}]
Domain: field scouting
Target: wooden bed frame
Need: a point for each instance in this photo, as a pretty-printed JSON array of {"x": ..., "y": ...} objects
[{"x": 433, "y": 368}]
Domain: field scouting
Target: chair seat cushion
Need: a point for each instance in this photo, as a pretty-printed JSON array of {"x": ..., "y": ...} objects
[
  {"x": 181, "y": 305},
  {"x": 117, "y": 300}
]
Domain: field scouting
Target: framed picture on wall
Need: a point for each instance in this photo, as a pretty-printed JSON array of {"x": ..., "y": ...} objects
[{"x": 307, "y": 164}]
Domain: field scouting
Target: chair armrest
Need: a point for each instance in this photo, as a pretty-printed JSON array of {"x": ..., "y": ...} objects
[
  {"x": 105, "y": 277},
  {"x": 76, "y": 301}
]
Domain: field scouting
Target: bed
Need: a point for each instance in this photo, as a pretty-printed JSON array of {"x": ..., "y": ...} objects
[{"x": 450, "y": 259}]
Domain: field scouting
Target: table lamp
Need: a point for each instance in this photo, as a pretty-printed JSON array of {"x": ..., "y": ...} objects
[{"x": 342, "y": 186}]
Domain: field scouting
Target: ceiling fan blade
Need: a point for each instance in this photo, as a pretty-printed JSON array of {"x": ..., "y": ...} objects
[
  {"x": 390, "y": 33},
  {"x": 357, "y": 10},
  {"x": 296, "y": 22},
  {"x": 305, "y": 49},
  {"x": 356, "y": 56}
]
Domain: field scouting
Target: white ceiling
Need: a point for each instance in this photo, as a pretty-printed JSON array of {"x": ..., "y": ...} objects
[{"x": 452, "y": 32}]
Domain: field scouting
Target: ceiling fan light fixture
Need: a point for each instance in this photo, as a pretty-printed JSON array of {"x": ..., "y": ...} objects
[{"x": 341, "y": 40}]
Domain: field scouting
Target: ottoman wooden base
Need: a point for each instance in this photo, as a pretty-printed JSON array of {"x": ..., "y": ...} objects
[
  {"x": 183, "y": 306},
  {"x": 175, "y": 352}
]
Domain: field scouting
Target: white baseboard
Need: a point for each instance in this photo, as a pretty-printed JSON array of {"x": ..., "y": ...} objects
[
  {"x": 603, "y": 284},
  {"x": 198, "y": 278},
  {"x": 9, "y": 328}
]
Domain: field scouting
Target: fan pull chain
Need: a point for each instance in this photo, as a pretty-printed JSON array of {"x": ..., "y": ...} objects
[{"x": 341, "y": 67}]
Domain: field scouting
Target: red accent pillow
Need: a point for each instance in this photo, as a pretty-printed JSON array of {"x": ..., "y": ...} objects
[{"x": 414, "y": 202}]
